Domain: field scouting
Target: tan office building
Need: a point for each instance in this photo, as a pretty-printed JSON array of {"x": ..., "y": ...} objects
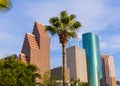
[
  {"x": 109, "y": 77},
  {"x": 58, "y": 73},
  {"x": 36, "y": 48},
  {"x": 76, "y": 62}
]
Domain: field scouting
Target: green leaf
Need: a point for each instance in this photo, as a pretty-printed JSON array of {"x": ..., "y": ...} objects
[{"x": 5, "y": 5}]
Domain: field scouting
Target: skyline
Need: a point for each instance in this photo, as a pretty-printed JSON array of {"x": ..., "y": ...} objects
[{"x": 98, "y": 16}]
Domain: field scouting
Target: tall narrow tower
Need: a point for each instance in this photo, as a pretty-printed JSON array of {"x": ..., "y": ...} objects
[
  {"x": 36, "y": 48},
  {"x": 94, "y": 64},
  {"x": 109, "y": 77},
  {"x": 76, "y": 62}
]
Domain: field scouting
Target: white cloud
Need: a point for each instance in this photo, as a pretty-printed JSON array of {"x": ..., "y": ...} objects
[
  {"x": 103, "y": 45},
  {"x": 110, "y": 44},
  {"x": 84, "y": 9}
]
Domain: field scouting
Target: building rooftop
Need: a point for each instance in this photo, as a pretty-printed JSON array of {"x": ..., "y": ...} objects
[{"x": 32, "y": 40}]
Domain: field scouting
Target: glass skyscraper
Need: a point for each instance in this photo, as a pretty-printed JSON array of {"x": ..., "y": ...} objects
[{"x": 94, "y": 64}]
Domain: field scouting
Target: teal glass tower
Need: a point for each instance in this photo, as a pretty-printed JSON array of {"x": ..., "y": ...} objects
[{"x": 94, "y": 64}]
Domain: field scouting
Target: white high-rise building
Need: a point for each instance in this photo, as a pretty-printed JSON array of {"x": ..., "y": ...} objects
[{"x": 76, "y": 62}]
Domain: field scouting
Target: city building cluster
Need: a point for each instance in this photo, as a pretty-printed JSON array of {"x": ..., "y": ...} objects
[{"x": 85, "y": 64}]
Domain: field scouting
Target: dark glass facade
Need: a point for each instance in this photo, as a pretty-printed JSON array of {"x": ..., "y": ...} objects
[{"x": 94, "y": 64}]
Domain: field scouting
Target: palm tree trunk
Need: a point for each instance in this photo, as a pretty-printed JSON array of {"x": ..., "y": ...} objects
[{"x": 64, "y": 63}]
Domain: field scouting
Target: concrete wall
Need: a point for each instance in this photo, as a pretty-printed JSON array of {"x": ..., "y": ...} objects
[
  {"x": 36, "y": 48},
  {"x": 109, "y": 76},
  {"x": 76, "y": 62}
]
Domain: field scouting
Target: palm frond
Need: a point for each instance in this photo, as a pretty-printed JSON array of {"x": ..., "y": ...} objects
[
  {"x": 65, "y": 20},
  {"x": 63, "y": 14},
  {"x": 5, "y": 5},
  {"x": 76, "y": 24},
  {"x": 55, "y": 22},
  {"x": 53, "y": 19},
  {"x": 64, "y": 17},
  {"x": 71, "y": 19},
  {"x": 52, "y": 30},
  {"x": 72, "y": 34}
]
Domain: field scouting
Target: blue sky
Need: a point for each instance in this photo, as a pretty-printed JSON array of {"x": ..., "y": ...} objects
[{"x": 99, "y": 16}]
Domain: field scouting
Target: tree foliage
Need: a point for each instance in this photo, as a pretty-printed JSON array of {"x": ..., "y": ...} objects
[
  {"x": 5, "y": 5},
  {"x": 74, "y": 82},
  {"x": 13, "y": 72},
  {"x": 65, "y": 26}
]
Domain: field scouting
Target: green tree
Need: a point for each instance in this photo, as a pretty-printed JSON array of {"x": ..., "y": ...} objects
[
  {"x": 5, "y": 5},
  {"x": 66, "y": 28},
  {"x": 83, "y": 84},
  {"x": 77, "y": 83},
  {"x": 73, "y": 82},
  {"x": 13, "y": 72}
]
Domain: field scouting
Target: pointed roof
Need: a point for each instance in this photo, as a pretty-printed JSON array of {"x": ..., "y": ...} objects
[
  {"x": 32, "y": 40},
  {"x": 40, "y": 28}
]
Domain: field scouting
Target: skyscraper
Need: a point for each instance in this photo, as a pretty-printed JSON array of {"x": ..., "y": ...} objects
[
  {"x": 94, "y": 64},
  {"x": 57, "y": 72},
  {"x": 36, "y": 48},
  {"x": 76, "y": 62},
  {"x": 109, "y": 77}
]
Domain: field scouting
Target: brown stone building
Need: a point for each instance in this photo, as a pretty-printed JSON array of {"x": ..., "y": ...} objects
[
  {"x": 109, "y": 77},
  {"x": 36, "y": 48}
]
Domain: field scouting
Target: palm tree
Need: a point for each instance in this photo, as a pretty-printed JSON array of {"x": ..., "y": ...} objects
[
  {"x": 5, "y": 5},
  {"x": 65, "y": 27},
  {"x": 77, "y": 82}
]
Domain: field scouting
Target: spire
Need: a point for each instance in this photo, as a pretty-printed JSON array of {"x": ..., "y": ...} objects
[{"x": 39, "y": 29}]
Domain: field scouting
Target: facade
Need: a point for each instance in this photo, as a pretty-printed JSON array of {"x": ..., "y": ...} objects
[
  {"x": 109, "y": 78},
  {"x": 76, "y": 62},
  {"x": 118, "y": 82},
  {"x": 36, "y": 48},
  {"x": 94, "y": 64},
  {"x": 57, "y": 73}
]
